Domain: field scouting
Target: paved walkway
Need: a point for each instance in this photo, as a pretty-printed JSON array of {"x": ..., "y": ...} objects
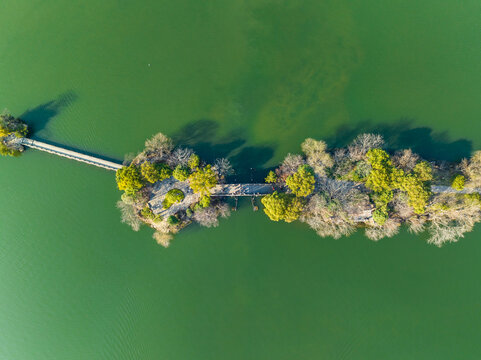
[{"x": 69, "y": 154}]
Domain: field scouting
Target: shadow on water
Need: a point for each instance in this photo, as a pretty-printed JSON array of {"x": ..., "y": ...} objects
[
  {"x": 402, "y": 135},
  {"x": 38, "y": 117},
  {"x": 204, "y": 137}
]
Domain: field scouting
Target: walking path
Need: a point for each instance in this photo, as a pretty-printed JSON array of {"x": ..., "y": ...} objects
[
  {"x": 219, "y": 190},
  {"x": 74, "y": 155}
]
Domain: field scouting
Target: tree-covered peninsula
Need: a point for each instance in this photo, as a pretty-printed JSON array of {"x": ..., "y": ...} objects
[{"x": 334, "y": 191}]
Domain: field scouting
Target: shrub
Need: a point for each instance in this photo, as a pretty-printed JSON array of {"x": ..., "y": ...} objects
[
  {"x": 173, "y": 196},
  {"x": 423, "y": 171},
  {"x": 129, "y": 215},
  {"x": 458, "y": 182},
  {"x": 204, "y": 201},
  {"x": 281, "y": 206},
  {"x": 7, "y": 151},
  {"x": 181, "y": 173},
  {"x": 317, "y": 156},
  {"x": 154, "y": 172},
  {"x": 380, "y": 215},
  {"x": 172, "y": 220},
  {"x": 194, "y": 161},
  {"x": 202, "y": 180},
  {"x": 302, "y": 181},
  {"x": 271, "y": 177},
  {"x": 189, "y": 212},
  {"x": 129, "y": 179},
  {"x": 418, "y": 193}
]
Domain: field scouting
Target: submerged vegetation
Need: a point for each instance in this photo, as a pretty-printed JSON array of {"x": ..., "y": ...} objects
[{"x": 333, "y": 191}]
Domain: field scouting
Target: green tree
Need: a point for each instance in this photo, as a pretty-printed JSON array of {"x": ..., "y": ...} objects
[
  {"x": 380, "y": 177},
  {"x": 423, "y": 171},
  {"x": 6, "y": 151},
  {"x": 418, "y": 193},
  {"x": 202, "y": 180},
  {"x": 204, "y": 201},
  {"x": 153, "y": 172},
  {"x": 194, "y": 161},
  {"x": 380, "y": 215},
  {"x": 282, "y": 206},
  {"x": 458, "y": 182},
  {"x": 129, "y": 179},
  {"x": 172, "y": 220},
  {"x": 181, "y": 173},
  {"x": 302, "y": 181},
  {"x": 173, "y": 196},
  {"x": 271, "y": 177}
]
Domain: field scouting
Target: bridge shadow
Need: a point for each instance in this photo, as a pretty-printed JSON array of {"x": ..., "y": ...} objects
[
  {"x": 38, "y": 118},
  {"x": 205, "y": 138},
  {"x": 422, "y": 140}
]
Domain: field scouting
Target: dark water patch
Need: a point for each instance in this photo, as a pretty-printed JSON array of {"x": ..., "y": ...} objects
[
  {"x": 403, "y": 134},
  {"x": 205, "y": 137},
  {"x": 39, "y": 117}
]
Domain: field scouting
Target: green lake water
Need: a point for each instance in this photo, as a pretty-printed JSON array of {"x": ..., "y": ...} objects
[{"x": 249, "y": 80}]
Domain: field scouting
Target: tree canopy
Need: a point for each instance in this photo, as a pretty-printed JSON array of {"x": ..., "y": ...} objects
[
  {"x": 153, "y": 172},
  {"x": 282, "y": 206},
  {"x": 202, "y": 180},
  {"x": 129, "y": 178},
  {"x": 302, "y": 181}
]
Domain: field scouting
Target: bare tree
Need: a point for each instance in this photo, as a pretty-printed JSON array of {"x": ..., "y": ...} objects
[
  {"x": 327, "y": 217},
  {"x": 388, "y": 229},
  {"x": 290, "y": 164},
  {"x": 129, "y": 215},
  {"x": 450, "y": 217},
  {"x": 362, "y": 144},
  {"x": 206, "y": 217},
  {"x": 180, "y": 156},
  {"x": 472, "y": 169},
  {"x": 162, "y": 238},
  {"x": 159, "y": 145},
  {"x": 223, "y": 167},
  {"x": 405, "y": 159},
  {"x": 317, "y": 156}
]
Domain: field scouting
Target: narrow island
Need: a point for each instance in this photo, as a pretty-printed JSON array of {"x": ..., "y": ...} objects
[{"x": 334, "y": 191}]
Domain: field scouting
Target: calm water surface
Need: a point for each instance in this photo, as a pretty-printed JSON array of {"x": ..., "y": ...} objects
[{"x": 249, "y": 80}]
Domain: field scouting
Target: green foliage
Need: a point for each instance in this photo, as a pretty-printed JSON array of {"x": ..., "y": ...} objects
[
  {"x": 181, "y": 173},
  {"x": 10, "y": 125},
  {"x": 173, "y": 196},
  {"x": 423, "y": 171},
  {"x": 458, "y": 182},
  {"x": 282, "y": 206},
  {"x": 382, "y": 198},
  {"x": 379, "y": 179},
  {"x": 194, "y": 161},
  {"x": 189, "y": 212},
  {"x": 172, "y": 220},
  {"x": 380, "y": 215},
  {"x": 204, "y": 201},
  {"x": 129, "y": 179},
  {"x": 202, "y": 180},
  {"x": 473, "y": 199},
  {"x": 6, "y": 151},
  {"x": 417, "y": 191},
  {"x": 271, "y": 177},
  {"x": 384, "y": 177},
  {"x": 302, "y": 181},
  {"x": 378, "y": 158},
  {"x": 153, "y": 172},
  {"x": 147, "y": 213}
]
